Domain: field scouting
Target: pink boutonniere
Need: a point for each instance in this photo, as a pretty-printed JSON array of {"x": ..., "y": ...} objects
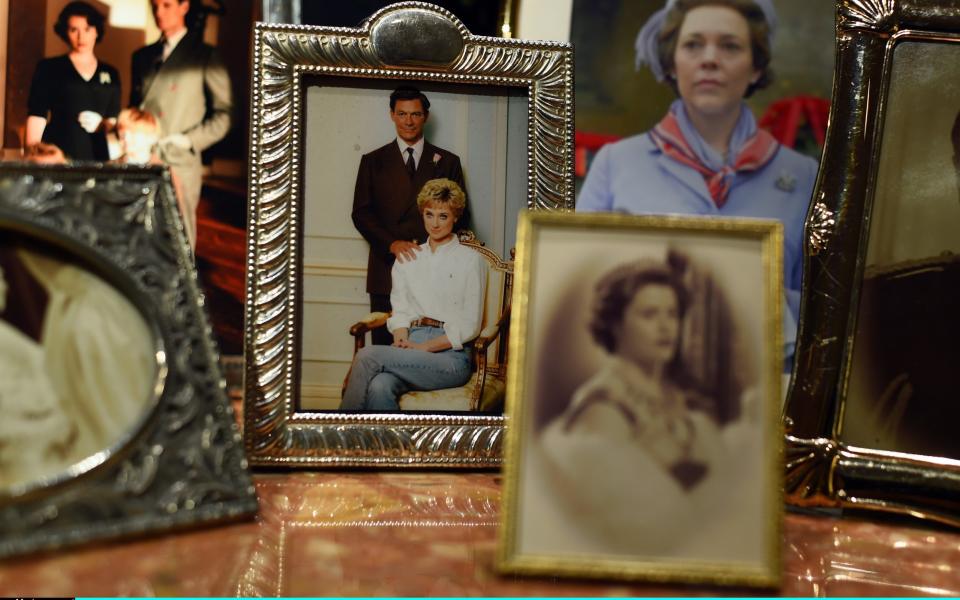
[{"x": 436, "y": 157}]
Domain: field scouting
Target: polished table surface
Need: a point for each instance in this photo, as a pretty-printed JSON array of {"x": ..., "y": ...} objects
[{"x": 434, "y": 534}]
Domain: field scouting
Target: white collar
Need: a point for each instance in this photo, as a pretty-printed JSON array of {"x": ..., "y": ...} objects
[
  {"x": 170, "y": 43},
  {"x": 444, "y": 247},
  {"x": 417, "y": 148}
]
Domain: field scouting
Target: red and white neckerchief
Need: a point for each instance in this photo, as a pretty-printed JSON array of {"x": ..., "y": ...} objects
[{"x": 755, "y": 153}]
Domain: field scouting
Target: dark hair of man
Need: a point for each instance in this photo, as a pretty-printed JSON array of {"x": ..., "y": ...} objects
[
  {"x": 408, "y": 92},
  {"x": 79, "y": 9}
]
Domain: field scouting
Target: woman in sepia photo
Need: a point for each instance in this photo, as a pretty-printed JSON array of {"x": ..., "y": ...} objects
[
  {"x": 637, "y": 461},
  {"x": 707, "y": 156},
  {"x": 437, "y": 300}
]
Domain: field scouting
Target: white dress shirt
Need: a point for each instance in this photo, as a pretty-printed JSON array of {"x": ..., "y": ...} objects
[
  {"x": 446, "y": 284},
  {"x": 417, "y": 150},
  {"x": 171, "y": 42}
]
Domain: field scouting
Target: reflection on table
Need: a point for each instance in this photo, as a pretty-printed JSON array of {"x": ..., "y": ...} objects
[{"x": 434, "y": 534}]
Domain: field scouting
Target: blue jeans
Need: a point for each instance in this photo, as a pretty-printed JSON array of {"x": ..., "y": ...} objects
[{"x": 381, "y": 374}]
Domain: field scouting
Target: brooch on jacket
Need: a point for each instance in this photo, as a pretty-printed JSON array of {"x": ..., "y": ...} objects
[
  {"x": 105, "y": 78},
  {"x": 786, "y": 182}
]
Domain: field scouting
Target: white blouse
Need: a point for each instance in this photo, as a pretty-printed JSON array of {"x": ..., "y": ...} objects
[{"x": 446, "y": 284}]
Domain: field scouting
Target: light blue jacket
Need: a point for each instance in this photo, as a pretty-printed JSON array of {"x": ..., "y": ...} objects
[{"x": 633, "y": 176}]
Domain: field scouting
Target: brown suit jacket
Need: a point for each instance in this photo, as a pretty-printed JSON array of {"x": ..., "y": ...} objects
[{"x": 385, "y": 203}]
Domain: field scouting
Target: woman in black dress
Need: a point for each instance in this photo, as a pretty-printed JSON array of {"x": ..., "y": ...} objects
[{"x": 74, "y": 98}]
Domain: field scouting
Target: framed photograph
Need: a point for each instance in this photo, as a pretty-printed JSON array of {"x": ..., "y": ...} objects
[
  {"x": 115, "y": 421},
  {"x": 644, "y": 396},
  {"x": 870, "y": 410},
  {"x": 331, "y": 193},
  {"x": 616, "y": 99}
]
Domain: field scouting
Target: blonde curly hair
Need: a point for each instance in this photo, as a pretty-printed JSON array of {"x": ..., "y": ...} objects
[{"x": 442, "y": 192}]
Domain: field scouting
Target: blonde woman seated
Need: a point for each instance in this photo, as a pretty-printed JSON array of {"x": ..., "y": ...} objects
[{"x": 437, "y": 303}]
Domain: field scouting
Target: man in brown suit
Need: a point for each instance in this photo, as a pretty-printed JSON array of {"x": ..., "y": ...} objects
[{"x": 385, "y": 199}]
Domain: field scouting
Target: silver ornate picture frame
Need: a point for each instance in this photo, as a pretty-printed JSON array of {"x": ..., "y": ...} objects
[
  {"x": 645, "y": 438},
  {"x": 872, "y": 408},
  {"x": 121, "y": 426},
  {"x": 497, "y": 97}
]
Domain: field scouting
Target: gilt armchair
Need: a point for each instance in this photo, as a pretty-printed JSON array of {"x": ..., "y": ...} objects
[{"x": 485, "y": 390}]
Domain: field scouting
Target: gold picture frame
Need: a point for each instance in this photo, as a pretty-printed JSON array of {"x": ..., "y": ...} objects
[
  {"x": 866, "y": 423},
  {"x": 598, "y": 482},
  {"x": 298, "y": 71},
  {"x": 120, "y": 426}
]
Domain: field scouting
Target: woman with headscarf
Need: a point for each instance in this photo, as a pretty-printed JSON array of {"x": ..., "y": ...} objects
[
  {"x": 74, "y": 98},
  {"x": 707, "y": 156}
]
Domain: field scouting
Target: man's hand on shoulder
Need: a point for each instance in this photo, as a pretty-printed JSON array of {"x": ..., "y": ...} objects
[{"x": 404, "y": 250}]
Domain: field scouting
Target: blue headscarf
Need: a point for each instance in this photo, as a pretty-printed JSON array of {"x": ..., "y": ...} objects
[{"x": 646, "y": 44}]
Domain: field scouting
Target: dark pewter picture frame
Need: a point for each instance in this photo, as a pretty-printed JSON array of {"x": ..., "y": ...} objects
[
  {"x": 857, "y": 384},
  {"x": 179, "y": 465},
  {"x": 409, "y": 42}
]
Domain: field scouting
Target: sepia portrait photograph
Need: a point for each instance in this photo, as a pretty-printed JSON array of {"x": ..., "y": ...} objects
[
  {"x": 411, "y": 195},
  {"x": 644, "y": 437},
  {"x": 900, "y": 392},
  {"x": 79, "y": 369}
]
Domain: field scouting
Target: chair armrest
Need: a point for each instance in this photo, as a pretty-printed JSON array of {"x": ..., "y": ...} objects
[
  {"x": 369, "y": 322},
  {"x": 490, "y": 332},
  {"x": 359, "y": 329}
]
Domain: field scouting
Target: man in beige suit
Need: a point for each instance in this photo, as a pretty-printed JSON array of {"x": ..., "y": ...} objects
[{"x": 183, "y": 82}]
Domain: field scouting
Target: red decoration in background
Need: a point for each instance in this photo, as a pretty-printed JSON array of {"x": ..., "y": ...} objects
[
  {"x": 585, "y": 145},
  {"x": 784, "y": 117}
]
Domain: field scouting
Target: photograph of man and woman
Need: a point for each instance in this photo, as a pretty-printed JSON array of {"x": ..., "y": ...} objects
[
  {"x": 77, "y": 363},
  {"x": 180, "y": 96},
  {"x": 416, "y": 165},
  {"x": 647, "y": 422},
  {"x": 692, "y": 76}
]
